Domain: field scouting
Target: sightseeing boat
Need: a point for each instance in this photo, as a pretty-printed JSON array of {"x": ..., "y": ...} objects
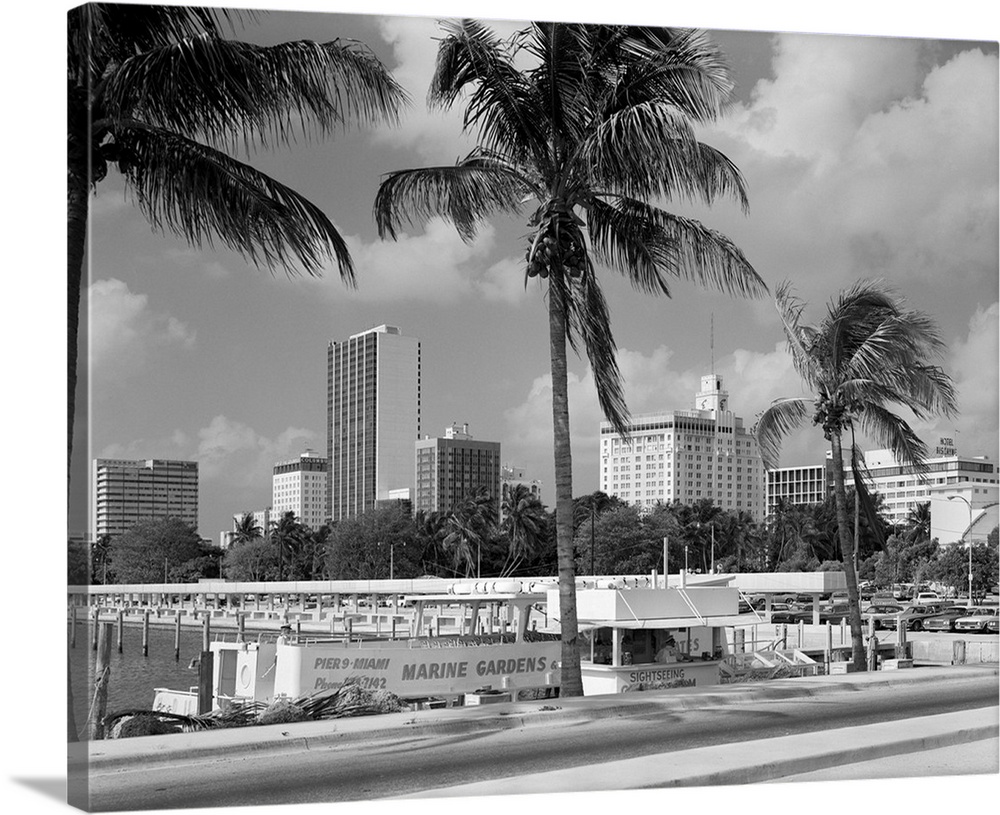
[{"x": 636, "y": 633}]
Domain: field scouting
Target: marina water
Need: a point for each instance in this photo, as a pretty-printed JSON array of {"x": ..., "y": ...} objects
[{"x": 133, "y": 676}]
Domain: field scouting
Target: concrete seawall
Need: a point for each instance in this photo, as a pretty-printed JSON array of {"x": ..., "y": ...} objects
[{"x": 956, "y": 652}]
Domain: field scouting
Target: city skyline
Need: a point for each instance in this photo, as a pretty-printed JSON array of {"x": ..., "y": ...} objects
[{"x": 865, "y": 156}]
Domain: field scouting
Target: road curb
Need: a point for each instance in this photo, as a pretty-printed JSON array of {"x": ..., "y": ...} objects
[
  {"x": 232, "y": 742},
  {"x": 738, "y": 763}
]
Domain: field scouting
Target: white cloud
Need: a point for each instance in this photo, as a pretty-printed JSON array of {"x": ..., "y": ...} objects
[
  {"x": 435, "y": 134},
  {"x": 859, "y": 165},
  {"x": 972, "y": 364},
  {"x": 652, "y": 384},
  {"x": 231, "y": 451},
  {"x": 823, "y": 88},
  {"x": 125, "y": 332},
  {"x": 504, "y": 282},
  {"x": 433, "y": 266}
]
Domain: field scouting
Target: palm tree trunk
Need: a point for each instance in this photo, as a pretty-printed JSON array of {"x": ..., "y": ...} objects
[
  {"x": 77, "y": 202},
  {"x": 571, "y": 681},
  {"x": 76, "y": 222},
  {"x": 847, "y": 553}
]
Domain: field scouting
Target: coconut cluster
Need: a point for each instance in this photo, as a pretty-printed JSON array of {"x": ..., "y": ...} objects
[{"x": 557, "y": 243}]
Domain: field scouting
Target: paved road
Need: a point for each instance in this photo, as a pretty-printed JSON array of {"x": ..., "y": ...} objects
[{"x": 385, "y": 768}]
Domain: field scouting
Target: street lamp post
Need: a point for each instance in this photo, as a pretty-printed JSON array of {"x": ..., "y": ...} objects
[
  {"x": 713, "y": 548},
  {"x": 969, "y": 533}
]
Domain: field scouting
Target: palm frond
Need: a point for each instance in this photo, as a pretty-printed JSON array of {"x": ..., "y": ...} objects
[
  {"x": 664, "y": 244},
  {"x": 893, "y": 433},
  {"x": 463, "y": 193},
  {"x": 199, "y": 193},
  {"x": 862, "y": 494},
  {"x": 588, "y": 320},
  {"x": 776, "y": 422},
  {"x": 689, "y": 69},
  {"x": 105, "y": 33},
  {"x": 801, "y": 338},
  {"x": 225, "y": 91},
  {"x": 559, "y": 81},
  {"x": 618, "y": 148},
  {"x": 502, "y": 105},
  {"x": 624, "y": 238},
  {"x": 469, "y": 51}
]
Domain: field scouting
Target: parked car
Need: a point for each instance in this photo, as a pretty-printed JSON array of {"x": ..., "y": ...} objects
[
  {"x": 883, "y": 598},
  {"x": 925, "y": 597},
  {"x": 827, "y": 613},
  {"x": 993, "y": 625},
  {"x": 789, "y": 615},
  {"x": 880, "y": 613},
  {"x": 833, "y": 613},
  {"x": 978, "y": 620},
  {"x": 912, "y": 618},
  {"x": 945, "y": 619}
]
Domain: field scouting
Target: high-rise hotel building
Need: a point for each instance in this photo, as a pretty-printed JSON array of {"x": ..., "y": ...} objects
[
  {"x": 126, "y": 492},
  {"x": 799, "y": 486},
  {"x": 373, "y": 418},
  {"x": 452, "y": 468},
  {"x": 299, "y": 485},
  {"x": 686, "y": 455}
]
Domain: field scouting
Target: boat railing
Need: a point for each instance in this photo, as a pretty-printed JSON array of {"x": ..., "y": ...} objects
[
  {"x": 747, "y": 600},
  {"x": 690, "y": 604}
]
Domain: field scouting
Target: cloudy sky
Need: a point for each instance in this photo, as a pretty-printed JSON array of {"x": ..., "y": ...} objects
[{"x": 866, "y": 156}]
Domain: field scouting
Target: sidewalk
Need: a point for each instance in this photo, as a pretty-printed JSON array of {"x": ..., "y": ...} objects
[
  {"x": 105, "y": 755},
  {"x": 751, "y": 762}
]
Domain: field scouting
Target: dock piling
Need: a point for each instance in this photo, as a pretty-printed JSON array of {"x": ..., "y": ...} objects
[
  {"x": 177, "y": 635},
  {"x": 145, "y": 633},
  {"x": 121, "y": 629},
  {"x": 102, "y": 675},
  {"x": 206, "y": 632},
  {"x": 205, "y": 682},
  {"x": 72, "y": 626}
]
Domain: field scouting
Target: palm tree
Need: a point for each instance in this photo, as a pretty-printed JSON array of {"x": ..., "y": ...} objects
[
  {"x": 246, "y": 529},
  {"x": 735, "y": 536},
  {"x": 288, "y": 535},
  {"x": 158, "y": 92},
  {"x": 868, "y": 354},
  {"x": 587, "y": 509},
  {"x": 431, "y": 528},
  {"x": 523, "y": 523},
  {"x": 468, "y": 525},
  {"x": 100, "y": 555},
  {"x": 597, "y": 126},
  {"x": 790, "y": 527},
  {"x": 918, "y": 523}
]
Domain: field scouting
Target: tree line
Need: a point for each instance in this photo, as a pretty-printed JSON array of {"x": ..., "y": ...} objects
[{"x": 611, "y": 537}]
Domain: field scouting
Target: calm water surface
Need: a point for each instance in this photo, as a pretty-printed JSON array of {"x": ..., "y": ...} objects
[{"x": 133, "y": 676}]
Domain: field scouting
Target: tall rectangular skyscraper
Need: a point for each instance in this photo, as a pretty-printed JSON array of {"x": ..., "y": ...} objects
[{"x": 373, "y": 418}]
